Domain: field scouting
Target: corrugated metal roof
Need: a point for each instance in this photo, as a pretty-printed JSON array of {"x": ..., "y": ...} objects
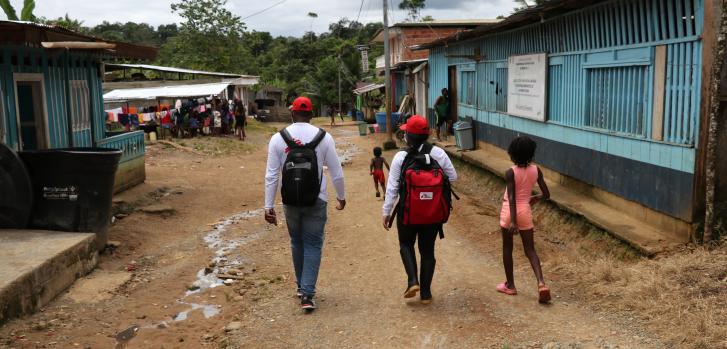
[
  {"x": 449, "y": 23},
  {"x": 166, "y": 92},
  {"x": 111, "y": 67},
  {"x": 367, "y": 88},
  {"x": 33, "y": 34},
  {"x": 534, "y": 14}
]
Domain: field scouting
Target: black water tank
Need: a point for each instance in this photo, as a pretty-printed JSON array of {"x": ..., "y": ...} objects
[
  {"x": 16, "y": 195},
  {"x": 73, "y": 189}
]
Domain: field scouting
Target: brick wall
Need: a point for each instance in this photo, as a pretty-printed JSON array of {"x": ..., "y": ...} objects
[{"x": 418, "y": 36}]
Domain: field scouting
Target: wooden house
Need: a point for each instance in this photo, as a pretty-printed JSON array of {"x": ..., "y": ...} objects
[
  {"x": 619, "y": 95},
  {"x": 51, "y": 92}
]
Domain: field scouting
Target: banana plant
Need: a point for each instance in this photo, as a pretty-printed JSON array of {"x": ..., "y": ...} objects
[{"x": 25, "y": 15}]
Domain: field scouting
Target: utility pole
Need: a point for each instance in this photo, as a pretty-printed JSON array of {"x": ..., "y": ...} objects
[
  {"x": 339, "y": 86},
  {"x": 387, "y": 74}
]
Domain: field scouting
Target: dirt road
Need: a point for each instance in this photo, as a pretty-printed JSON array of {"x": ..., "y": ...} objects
[{"x": 153, "y": 291}]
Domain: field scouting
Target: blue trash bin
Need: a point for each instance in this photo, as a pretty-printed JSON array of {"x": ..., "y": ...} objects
[{"x": 381, "y": 120}]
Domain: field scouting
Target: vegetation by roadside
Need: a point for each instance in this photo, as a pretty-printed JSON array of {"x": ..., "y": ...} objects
[{"x": 681, "y": 296}]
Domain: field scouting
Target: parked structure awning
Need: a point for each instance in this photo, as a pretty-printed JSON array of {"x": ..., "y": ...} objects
[
  {"x": 367, "y": 88},
  {"x": 419, "y": 68},
  {"x": 199, "y": 90},
  {"x": 119, "y": 66}
]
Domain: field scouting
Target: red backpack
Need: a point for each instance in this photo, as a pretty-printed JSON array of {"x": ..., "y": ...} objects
[{"x": 425, "y": 193}]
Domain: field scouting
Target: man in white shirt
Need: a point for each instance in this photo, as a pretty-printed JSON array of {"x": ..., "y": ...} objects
[{"x": 306, "y": 224}]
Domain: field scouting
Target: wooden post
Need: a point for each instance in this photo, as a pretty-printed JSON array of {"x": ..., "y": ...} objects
[{"x": 704, "y": 181}]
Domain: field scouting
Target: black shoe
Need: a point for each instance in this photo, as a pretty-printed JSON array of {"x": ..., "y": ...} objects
[
  {"x": 426, "y": 298},
  {"x": 427, "y": 273},
  {"x": 307, "y": 303},
  {"x": 378, "y": 195},
  {"x": 299, "y": 294},
  {"x": 410, "y": 266}
]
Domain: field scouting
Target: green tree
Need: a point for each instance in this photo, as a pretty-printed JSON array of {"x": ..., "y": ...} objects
[
  {"x": 210, "y": 38},
  {"x": 26, "y": 14},
  {"x": 65, "y": 22},
  {"x": 413, "y": 7}
]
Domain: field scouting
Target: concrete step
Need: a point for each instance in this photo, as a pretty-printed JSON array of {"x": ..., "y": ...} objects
[
  {"x": 648, "y": 239},
  {"x": 36, "y": 266}
]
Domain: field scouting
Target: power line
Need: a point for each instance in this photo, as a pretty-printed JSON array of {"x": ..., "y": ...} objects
[
  {"x": 265, "y": 9},
  {"x": 359, "y": 10}
]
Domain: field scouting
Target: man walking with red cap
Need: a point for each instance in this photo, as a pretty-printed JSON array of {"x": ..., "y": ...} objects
[
  {"x": 420, "y": 178},
  {"x": 299, "y": 152}
]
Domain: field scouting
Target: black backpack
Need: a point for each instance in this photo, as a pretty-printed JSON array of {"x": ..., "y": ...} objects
[{"x": 301, "y": 178}]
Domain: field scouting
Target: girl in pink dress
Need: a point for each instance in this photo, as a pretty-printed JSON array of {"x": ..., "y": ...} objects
[{"x": 516, "y": 215}]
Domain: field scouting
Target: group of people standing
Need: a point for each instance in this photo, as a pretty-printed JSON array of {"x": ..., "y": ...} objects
[
  {"x": 420, "y": 180},
  {"x": 217, "y": 117}
]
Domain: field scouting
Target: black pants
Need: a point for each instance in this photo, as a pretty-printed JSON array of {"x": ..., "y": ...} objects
[{"x": 427, "y": 236}]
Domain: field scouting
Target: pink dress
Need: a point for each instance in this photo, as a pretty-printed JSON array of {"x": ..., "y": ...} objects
[{"x": 525, "y": 179}]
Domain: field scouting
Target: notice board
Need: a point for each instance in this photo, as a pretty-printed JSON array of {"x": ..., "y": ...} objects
[{"x": 526, "y": 86}]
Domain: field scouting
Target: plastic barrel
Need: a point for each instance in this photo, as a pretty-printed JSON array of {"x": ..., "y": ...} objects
[
  {"x": 73, "y": 189},
  {"x": 381, "y": 120}
]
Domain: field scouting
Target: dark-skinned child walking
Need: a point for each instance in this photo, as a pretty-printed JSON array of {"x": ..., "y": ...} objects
[
  {"x": 377, "y": 170},
  {"x": 516, "y": 215}
]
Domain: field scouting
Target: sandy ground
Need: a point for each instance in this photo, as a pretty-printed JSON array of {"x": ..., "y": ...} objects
[{"x": 151, "y": 291}]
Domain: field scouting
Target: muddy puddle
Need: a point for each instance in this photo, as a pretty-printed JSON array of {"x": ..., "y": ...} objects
[{"x": 224, "y": 261}]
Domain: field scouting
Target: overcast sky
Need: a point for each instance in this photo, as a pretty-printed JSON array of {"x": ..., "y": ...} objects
[{"x": 288, "y": 18}]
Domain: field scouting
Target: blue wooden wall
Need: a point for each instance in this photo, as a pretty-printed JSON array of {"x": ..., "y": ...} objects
[
  {"x": 83, "y": 66},
  {"x": 600, "y": 76}
]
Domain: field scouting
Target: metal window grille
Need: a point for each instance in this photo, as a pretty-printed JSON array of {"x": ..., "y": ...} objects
[
  {"x": 617, "y": 99},
  {"x": 611, "y": 24},
  {"x": 468, "y": 88},
  {"x": 80, "y": 114}
]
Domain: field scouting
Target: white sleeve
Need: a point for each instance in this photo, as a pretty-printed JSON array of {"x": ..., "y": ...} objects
[
  {"x": 392, "y": 185},
  {"x": 446, "y": 164},
  {"x": 272, "y": 173},
  {"x": 334, "y": 167}
]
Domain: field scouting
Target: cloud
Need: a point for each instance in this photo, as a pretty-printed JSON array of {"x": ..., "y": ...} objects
[{"x": 288, "y": 19}]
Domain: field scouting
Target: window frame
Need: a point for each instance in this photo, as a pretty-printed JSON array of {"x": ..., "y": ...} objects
[{"x": 80, "y": 106}]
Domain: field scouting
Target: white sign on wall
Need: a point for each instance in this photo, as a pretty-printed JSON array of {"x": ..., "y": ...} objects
[
  {"x": 526, "y": 86},
  {"x": 365, "y": 61}
]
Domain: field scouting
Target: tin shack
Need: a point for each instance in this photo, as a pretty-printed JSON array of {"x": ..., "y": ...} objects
[{"x": 51, "y": 92}]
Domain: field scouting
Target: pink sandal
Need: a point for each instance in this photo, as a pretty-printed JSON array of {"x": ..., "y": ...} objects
[
  {"x": 543, "y": 294},
  {"x": 502, "y": 288}
]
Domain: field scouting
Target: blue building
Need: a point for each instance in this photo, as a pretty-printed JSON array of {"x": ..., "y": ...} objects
[
  {"x": 51, "y": 93},
  {"x": 616, "y": 93}
]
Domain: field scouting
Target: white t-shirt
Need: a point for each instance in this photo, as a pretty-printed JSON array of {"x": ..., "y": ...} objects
[
  {"x": 325, "y": 152},
  {"x": 392, "y": 186}
]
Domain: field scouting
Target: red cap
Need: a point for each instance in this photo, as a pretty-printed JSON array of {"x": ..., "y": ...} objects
[
  {"x": 416, "y": 125},
  {"x": 302, "y": 104}
]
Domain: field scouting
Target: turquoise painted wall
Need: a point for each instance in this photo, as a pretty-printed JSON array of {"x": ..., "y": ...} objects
[
  {"x": 19, "y": 59},
  {"x": 601, "y": 73}
]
